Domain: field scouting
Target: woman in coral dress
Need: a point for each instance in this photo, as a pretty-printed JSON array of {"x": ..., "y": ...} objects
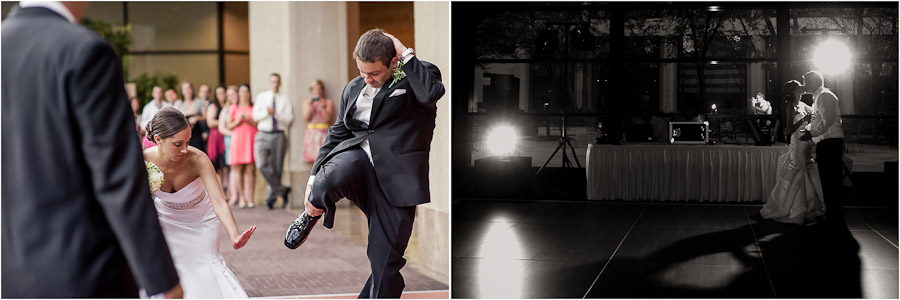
[{"x": 240, "y": 156}]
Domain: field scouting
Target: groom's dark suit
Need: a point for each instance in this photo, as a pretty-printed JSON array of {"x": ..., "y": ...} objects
[
  {"x": 399, "y": 132},
  {"x": 77, "y": 216}
]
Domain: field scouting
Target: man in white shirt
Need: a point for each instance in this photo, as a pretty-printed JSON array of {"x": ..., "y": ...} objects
[
  {"x": 273, "y": 113},
  {"x": 825, "y": 130},
  {"x": 376, "y": 155},
  {"x": 759, "y": 105},
  {"x": 153, "y": 107}
]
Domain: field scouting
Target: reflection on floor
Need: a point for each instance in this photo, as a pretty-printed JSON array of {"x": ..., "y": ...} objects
[{"x": 559, "y": 249}]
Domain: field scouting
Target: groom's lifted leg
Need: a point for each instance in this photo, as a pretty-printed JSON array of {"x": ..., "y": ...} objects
[{"x": 348, "y": 174}]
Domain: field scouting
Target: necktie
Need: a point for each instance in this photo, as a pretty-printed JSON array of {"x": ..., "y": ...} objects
[{"x": 274, "y": 121}]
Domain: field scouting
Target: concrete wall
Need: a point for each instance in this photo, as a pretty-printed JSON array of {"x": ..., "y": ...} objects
[
  {"x": 301, "y": 41},
  {"x": 432, "y": 21}
]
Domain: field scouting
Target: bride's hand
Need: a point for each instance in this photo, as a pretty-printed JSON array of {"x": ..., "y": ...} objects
[{"x": 242, "y": 240}]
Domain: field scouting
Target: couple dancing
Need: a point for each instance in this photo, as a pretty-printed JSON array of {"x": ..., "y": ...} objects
[{"x": 810, "y": 174}]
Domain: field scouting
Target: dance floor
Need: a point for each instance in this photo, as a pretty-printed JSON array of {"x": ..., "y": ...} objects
[
  {"x": 329, "y": 263},
  {"x": 562, "y": 249}
]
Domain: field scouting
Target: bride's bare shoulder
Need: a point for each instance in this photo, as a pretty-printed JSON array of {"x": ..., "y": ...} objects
[
  {"x": 197, "y": 157},
  {"x": 150, "y": 153}
]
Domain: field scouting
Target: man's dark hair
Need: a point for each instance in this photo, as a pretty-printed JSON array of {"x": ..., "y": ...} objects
[
  {"x": 374, "y": 46},
  {"x": 276, "y": 75}
]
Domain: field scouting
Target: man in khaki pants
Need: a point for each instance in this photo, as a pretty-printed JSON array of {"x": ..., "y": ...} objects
[{"x": 273, "y": 113}]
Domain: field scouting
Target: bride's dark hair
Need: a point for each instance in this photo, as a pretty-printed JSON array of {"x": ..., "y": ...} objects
[
  {"x": 166, "y": 123},
  {"x": 789, "y": 88}
]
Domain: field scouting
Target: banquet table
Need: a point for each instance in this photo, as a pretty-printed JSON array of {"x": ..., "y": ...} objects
[{"x": 665, "y": 172}]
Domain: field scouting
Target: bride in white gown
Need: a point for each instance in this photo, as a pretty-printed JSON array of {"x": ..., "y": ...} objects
[
  {"x": 797, "y": 197},
  {"x": 192, "y": 209}
]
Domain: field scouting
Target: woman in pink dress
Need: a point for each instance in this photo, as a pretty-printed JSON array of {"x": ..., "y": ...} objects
[
  {"x": 240, "y": 156},
  {"x": 318, "y": 112},
  {"x": 215, "y": 144}
]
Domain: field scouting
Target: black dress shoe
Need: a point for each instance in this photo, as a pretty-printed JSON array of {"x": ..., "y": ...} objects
[
  {"x": 285, "y": 198},
  {"x": 299, "y": 230},
  {"x": 270, "y": 202}
]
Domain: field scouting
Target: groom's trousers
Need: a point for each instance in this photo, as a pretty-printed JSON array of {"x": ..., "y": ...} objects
[
  {"x": 830, "y": 161},
  {"x": 350, "y": 174}
]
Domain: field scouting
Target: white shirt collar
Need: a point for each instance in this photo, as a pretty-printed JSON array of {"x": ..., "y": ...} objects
[{"x": 55, "y": 6}]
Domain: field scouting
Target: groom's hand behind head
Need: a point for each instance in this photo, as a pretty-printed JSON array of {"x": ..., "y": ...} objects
[{"x": 398, "y": 46}]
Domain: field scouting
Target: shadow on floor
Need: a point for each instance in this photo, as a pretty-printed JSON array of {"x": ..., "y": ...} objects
[{"x": 808, "y": 262}]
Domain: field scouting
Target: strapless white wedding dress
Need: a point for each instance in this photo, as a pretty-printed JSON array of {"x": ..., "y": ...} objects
[
  {"x": 797, "y": 197},
  {"x": 192, "y": 231}
]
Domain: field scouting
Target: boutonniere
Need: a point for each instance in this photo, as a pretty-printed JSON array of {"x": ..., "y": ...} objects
[{"x": 398, "y": 74}]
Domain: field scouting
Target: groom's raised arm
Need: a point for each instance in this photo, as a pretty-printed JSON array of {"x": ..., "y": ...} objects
[{"x": 425, "y": 80}]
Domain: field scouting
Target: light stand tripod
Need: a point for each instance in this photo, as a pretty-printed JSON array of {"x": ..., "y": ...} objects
[{"x": 564, "y": 141}]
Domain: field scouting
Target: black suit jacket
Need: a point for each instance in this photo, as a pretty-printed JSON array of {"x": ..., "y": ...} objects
[
  {"x": 78, "y": 220},
  {"x": 399, "y": 131}
]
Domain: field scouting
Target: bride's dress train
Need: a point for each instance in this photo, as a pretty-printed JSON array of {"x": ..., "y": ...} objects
[
  {"x": 192, "y": 232},
  {"x": 797, "y": 197}
]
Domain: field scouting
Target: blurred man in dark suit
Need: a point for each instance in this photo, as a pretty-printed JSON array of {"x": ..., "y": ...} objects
[{"x": 78, "y": 220}]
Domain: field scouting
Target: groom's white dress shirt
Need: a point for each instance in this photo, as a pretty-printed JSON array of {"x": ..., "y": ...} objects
[
  {"x": 364, "y": 113},
  {"x": 826, "y": 121}
]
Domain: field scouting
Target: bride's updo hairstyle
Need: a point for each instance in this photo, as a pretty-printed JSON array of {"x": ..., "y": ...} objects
[
  {"x": 789, "y": 88},
  {"x": 166, "y": 123}
]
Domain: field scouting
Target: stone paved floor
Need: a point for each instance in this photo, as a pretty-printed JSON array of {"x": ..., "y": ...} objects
[{"x": 328, "y": 263}]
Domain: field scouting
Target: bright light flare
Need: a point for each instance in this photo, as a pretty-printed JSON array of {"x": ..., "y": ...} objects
[
  {"x": 832, "y": 57},
  {"x": 502, "y": 140}
]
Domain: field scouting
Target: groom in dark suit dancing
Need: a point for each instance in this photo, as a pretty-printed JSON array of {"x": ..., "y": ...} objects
[
  {"x": 376, "y": 155},
  {"x": 78, "y": 220}
]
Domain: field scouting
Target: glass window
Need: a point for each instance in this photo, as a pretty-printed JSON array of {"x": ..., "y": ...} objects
[
  {"x": 173, "y": 25},
  {"x": 539, "y": 87},
  {"x": 700, "y": 33},
  {"x": 543, "y": 34},
  {"x": 197, "y": 68}
]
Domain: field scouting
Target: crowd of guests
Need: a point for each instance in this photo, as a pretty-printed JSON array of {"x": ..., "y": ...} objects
[{"x": 241, "y": 134}]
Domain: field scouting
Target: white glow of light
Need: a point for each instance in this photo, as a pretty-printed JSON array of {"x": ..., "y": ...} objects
[
  {"x": 713, "y": 106},
  {"x": 502, "y": 140},
  {"x": 832, "y": 57},
  {"x": 501, "y": 271}
]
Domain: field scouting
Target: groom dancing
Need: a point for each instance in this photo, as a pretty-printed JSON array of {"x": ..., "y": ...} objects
[
  {"x": 376, "y": 155},
  {"x": 825, "y": 130}
]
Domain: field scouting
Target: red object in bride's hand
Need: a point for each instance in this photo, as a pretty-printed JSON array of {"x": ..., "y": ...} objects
[{"x": 242, "y": 240}]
